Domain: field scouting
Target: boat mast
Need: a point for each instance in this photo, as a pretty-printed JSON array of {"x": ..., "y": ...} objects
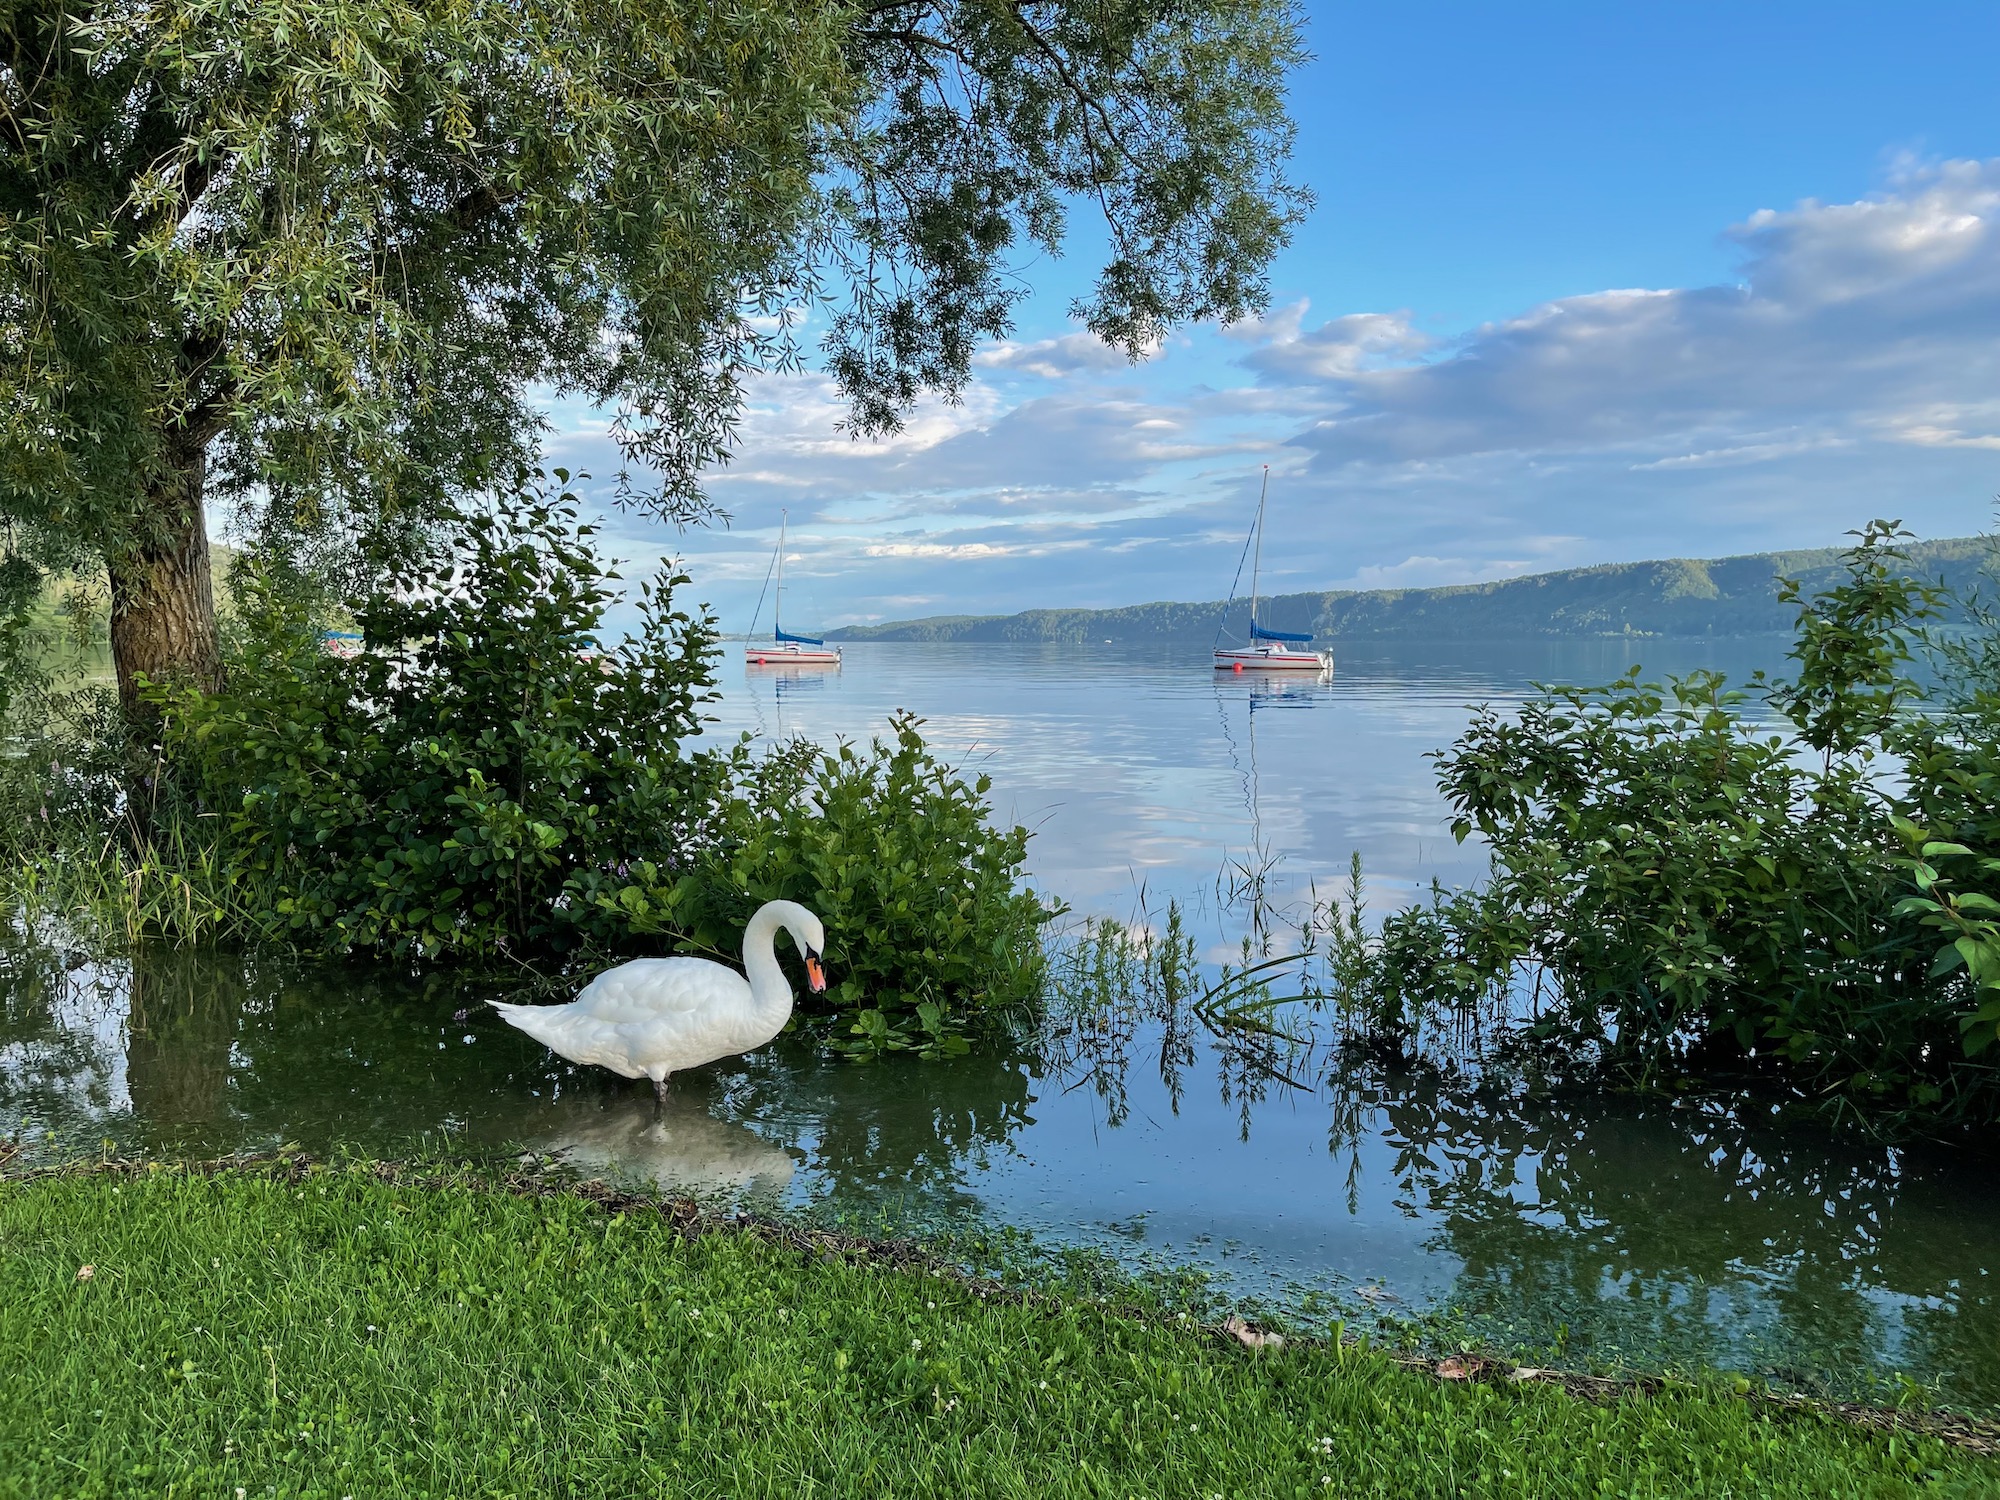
[
  {"x": 778, "y": 599},
  {"x": 1257, "y": 563}
]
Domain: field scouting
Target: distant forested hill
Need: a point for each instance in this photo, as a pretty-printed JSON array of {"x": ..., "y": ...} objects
[{"x": 1681, "y": 598}]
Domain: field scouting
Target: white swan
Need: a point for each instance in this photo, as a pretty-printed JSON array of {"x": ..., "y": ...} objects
[{"x": 655, "y": 1016}]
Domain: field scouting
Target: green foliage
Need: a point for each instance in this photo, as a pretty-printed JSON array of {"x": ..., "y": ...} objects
[
  {"x": 1854, "y": 647},
  {"x": 1695, "y": 893},
  {"x": 927, "y": 920},
  {"x": 390, "y": 1333},
  {"x": 1950, "y": 818},
  {"x": 981, "y": 125},
  {"x": 326, "y": 258},
  {"x": 445, "y": 791},
  {"x": 485, "y": 779}
]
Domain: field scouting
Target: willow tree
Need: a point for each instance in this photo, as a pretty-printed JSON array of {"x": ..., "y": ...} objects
[{"x": 320, "y": 260}]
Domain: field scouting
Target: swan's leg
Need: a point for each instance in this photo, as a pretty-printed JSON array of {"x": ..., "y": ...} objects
[{"x": 660, "y": 1090}]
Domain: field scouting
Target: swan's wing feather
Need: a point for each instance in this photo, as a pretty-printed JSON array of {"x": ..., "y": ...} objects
[
  {"x": 571, "y": 1034},
  {"x": 654, "y": 989},
  {"x": 650, "y": 1014}
]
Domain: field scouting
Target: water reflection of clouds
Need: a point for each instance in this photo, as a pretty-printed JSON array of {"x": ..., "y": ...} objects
[
  {"x": 63, "y": 1029},
  {"x": 1133, "y": 769},
  {"x": 1138, "y": 773}
]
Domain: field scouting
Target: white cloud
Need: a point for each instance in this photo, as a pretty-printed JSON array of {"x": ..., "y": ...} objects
[
  {"x": 1742, "y": 453},
  {"x": 968, "y": 551},
  {"x": 1337, "y": 349},
  {"x": 1852, "y": 369},
  {"x": 1847, "y": 316},
  {"x": 1055, "y": 358}
]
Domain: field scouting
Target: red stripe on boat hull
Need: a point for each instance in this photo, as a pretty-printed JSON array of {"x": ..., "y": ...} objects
[{"x": 1259, "y": 661}]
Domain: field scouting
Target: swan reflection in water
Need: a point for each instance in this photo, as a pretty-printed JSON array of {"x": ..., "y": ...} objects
[{"x": 679, "y": 1147}]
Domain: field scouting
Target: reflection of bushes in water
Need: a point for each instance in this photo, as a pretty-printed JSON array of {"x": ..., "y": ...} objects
[
  {"x": 180, "y": 1026},
  {"x": 1110, "y": 982},
  {"x": 349, "y": 1052},
  {"x": 882, "y": 1130},
  {"x": 59, "y": 1061},
  {"x": 227, "y": 1049},
  {"x": 1608, "y": 1226}
]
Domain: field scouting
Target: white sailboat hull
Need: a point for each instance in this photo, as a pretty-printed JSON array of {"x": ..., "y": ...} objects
[
  {"x": 785, "y": 654},
  {"x": 1268, "y": 659},
  {"x": 1262, "y": 653}
]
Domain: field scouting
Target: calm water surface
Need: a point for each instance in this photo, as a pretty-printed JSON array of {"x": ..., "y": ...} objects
[{"x": 1624, "y": 1231}]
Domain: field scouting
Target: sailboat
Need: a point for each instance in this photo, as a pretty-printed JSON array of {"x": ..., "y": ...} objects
[
  {"x": 786, "y": 650},
  {"x": 1268, "y": 650}
]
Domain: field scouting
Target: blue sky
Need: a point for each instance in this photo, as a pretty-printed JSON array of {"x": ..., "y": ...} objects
[{"x": 1585, "y": 283}]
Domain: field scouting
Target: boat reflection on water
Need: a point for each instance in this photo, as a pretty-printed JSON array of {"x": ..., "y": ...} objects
[
  {"x": 775, "y": 688},
  {"x": 1254, "y": 877}
]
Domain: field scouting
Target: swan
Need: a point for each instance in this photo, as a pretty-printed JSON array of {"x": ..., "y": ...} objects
[{"x": 655, "y": 1016}]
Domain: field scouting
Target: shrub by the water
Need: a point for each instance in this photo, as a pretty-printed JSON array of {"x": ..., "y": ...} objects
[
  {"x": 1691, "y": 891},
  {"x": 925, "y": 913},
  {"x": 488, "y": 779},
  {"x": 441, "y": 792}
]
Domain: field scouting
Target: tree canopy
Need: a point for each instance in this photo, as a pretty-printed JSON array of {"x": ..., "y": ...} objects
[{"x": 323, "y": 257}]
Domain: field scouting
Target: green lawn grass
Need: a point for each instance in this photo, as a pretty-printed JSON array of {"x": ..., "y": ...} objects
[{"x": 331, "y": 1333}]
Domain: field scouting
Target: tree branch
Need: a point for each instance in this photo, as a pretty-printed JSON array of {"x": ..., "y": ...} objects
[
  {"x": 1090, "y": 104},
  {"x": 478, "y": 205}
]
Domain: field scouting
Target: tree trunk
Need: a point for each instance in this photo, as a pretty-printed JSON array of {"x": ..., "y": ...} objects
[{"x": 162, "y": 596}]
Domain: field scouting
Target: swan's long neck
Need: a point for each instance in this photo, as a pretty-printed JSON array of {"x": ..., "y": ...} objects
[{"x": 770, "y": 992}]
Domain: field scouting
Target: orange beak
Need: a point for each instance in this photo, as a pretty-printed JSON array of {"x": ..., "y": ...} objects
[{"x": 815, "y": 975}]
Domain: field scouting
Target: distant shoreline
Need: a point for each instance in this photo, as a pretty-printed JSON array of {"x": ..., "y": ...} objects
[{"x": 1673, "y": 599}]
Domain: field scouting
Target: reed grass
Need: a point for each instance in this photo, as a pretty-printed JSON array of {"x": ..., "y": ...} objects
[{"x": 119, "y": 889}]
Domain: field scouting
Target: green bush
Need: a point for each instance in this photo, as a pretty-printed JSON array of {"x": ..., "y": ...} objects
[
  {"x": 1690, "y": 891},
  {"x": 927, "y": 920},
  {"x": 442, "y": 792},
  {"x": 484, "y": 779}
]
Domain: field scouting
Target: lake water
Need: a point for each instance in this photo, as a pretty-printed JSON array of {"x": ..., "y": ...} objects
[{"x": 1617, "y": 1231}]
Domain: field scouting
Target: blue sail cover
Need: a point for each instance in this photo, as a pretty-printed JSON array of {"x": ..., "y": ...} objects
[
  {"x": 798, "y": 640},
  {"x": 1259, "y": 633}
]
